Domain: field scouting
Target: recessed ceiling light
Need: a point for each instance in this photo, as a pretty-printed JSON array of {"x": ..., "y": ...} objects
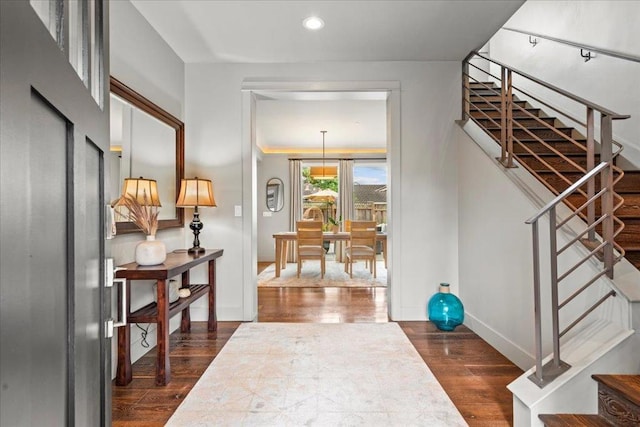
[{"x": 313, "y": 23}]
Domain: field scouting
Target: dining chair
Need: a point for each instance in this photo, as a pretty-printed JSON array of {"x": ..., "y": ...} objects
[
  {"x": 313, "y": 213},
  {"x": 309, "y": 243},
  {"x": 362, "y": 246},
  {"x": 367, "y": 225}
]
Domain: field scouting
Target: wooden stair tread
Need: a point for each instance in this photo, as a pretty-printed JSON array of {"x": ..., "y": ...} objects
[
  {"x": 495, "y": 113},
  {"x": 484, "y": 83},
  {"x": 619, "y": 398},
  {"x": 553, "y": 139},
  {"x": 573, "y": 420},
  {"x": 579, "y": 155},
  {"x": 538, "y": 127},
  {"x": 629, "y": 210},
  {"x": 628, "y": 385},
  {"x": 630, "y": 181}
]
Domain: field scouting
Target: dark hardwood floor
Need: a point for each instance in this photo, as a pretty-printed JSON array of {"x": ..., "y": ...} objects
[{"x": 473, "y": 374}]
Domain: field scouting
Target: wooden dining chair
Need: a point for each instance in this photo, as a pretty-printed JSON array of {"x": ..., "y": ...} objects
[
  {"x": 309, "y": 243},
  {"x": 313, "y": 213},
  {"x": 362, "y": 246},
  {"x": 366, "y": 225}
]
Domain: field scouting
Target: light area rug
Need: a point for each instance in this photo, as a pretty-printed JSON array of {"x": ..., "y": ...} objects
[
  {"x": 293, "y": 374},
  {"x": 335, "y": 276}
]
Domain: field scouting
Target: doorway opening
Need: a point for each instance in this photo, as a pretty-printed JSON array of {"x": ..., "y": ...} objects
[{"x": 267, "y": 163}]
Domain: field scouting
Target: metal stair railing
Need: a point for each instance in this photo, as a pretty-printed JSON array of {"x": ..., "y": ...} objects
[
  {"x": 602, "y": 247},
  {"x": 547, "y": 373}
]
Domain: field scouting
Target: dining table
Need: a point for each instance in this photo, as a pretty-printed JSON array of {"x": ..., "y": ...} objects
[{"x": 283, "y": 238}]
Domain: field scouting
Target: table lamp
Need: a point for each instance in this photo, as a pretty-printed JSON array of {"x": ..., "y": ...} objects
[
  {"x": 145, "y": 193},
  {"x": 195, "y": 192}
]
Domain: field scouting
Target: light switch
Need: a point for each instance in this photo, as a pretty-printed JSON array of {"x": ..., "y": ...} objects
[{"x": 237, "y": 210}]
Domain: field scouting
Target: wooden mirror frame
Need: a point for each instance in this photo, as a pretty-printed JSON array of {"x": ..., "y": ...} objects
[{"x": 134, "y": 98}]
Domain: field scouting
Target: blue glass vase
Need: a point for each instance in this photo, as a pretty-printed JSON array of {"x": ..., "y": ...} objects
[{"x": 445, "y": 309}]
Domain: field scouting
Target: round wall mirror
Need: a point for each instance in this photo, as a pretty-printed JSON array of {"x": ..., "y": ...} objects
[{"x": 275, "y": 195}]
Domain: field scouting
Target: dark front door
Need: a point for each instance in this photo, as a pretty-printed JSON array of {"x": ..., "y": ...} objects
[{"x": 54, "y": 132}]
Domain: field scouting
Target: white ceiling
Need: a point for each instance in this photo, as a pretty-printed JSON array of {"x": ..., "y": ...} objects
[
  {"x": 291, "y": 122},
  {"x": 271, "y": 31}
]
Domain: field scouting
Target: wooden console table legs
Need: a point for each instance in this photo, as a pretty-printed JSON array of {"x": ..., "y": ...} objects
[
  {"x": 163, "y": 366},
  {"x": 161, "y": 311},
  {"x": 124, "y": 372},
  {"x": 212, "y": 324}
]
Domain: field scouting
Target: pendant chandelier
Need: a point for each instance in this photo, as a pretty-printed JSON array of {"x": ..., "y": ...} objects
[{"x": 323, "y": 172}]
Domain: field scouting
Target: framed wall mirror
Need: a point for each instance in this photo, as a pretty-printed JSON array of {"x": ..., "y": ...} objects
[
  {"x": 146, "y": 141},
  {"x": 275, "y": 195}
]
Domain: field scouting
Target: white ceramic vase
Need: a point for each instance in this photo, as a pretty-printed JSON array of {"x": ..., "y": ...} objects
[{"x": 151, "y": 251}]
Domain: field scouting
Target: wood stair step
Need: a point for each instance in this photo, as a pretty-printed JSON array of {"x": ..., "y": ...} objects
[
  {"x": 540, "y": 131},
  {"x": 630, "y": 208},
  {"x": 630, "y": 182},
  {"x": 481, "y": 90},
  {"x": 619, "y": 398},
  {"x": 624, "y": 186},
  {"x": 524, "y": 121},
  {"x": 495, "y": 112},
  {"x": 474, "y": 85},
  {"x": 490, "y": 105},
  {"x": 630, "y": 233},
  {"x": 486, "y": 97},
  {"x": 573, "y": 420},
  {"x": 633, "y": 256},
  {"x": 560, "y": 145},
  {"x": 559, "y": 184},
  {"x": 555, "y": 161}
]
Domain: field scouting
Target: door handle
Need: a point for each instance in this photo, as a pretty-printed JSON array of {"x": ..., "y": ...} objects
[
  {"x": 123, "y": 303},
  {"x": 110, "y": 281}
]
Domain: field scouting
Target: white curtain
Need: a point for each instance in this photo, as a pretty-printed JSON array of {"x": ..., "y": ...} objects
[
  {"x": 295, "y": 193},
  {"x": 345, "y": 199}
]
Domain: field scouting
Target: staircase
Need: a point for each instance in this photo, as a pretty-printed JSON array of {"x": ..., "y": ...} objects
[
  {"x": 557, "y": 170},
  {"x": 618, "y": 405},
  {"x": 592, "y": 223}
]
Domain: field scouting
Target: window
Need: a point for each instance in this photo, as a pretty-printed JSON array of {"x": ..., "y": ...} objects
[
  {"x": 319, "y": 194},
  {"x": 84, "y": 36},
  {"x": 370, "y": 191},
  {"x": 50, "y": 13}
]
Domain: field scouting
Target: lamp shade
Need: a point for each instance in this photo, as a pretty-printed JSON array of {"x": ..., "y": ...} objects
[
  {"x": 195, "y": 192},
  {"x": 145, "y": 191},
  {"x": 323, "y": 172}
]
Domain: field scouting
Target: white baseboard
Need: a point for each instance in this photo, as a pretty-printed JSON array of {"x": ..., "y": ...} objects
[{"x": 516, "y": 354}]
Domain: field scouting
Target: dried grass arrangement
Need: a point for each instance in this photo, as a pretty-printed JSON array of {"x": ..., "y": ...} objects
[{"x": 142, "y": 215}]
